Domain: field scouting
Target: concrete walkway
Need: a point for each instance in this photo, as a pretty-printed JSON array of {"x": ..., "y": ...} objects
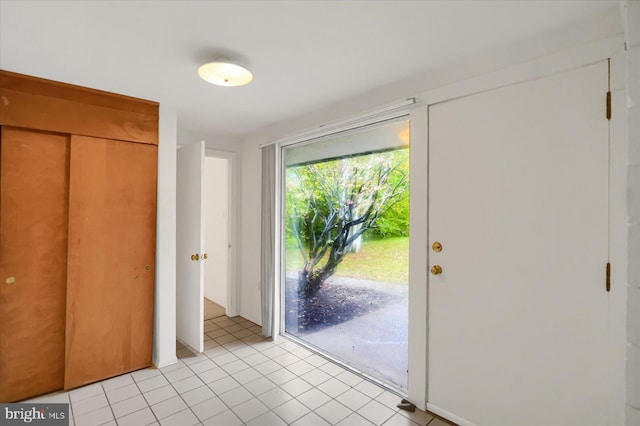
[{"x": 374, "y": 343}]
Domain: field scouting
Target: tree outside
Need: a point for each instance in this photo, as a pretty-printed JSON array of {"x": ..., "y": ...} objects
[{"x": 333, "y": 205}]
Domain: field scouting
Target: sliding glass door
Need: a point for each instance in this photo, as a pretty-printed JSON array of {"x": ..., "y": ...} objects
[{"x": 346, "y": 256}]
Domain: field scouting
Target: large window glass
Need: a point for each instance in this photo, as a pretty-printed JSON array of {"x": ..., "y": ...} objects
[{"x": 347, "y": 248}]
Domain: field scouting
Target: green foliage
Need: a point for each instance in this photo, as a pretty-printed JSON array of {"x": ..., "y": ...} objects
[{"x": 331, "y": 204}]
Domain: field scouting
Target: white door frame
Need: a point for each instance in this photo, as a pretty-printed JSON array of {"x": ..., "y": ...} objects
[{"x": 233, "y": 298}]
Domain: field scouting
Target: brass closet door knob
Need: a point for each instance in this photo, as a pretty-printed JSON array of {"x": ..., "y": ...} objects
[
  {"x": 436, "y": 270},
  {"x": 195, "y": 256}
]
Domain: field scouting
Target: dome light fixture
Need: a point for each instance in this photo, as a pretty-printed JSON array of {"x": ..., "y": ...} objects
[{"x": 223, "y": 72}]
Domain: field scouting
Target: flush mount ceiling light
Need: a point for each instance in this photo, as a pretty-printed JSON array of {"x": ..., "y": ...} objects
[{"x": 225, "y": 73}]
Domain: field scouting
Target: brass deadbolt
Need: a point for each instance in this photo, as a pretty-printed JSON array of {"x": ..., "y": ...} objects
[
  {"x": 11, "y": 280},
  {"x": 436, "y": 270},
  {"x": 437, "y": 247},
  {"x": 147, "y": 268}
]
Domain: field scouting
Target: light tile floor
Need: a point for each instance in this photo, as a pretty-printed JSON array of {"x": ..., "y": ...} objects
[{"x": 240, "y": 379}]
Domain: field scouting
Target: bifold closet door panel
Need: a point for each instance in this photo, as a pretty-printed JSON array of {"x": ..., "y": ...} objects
[
  {"x": 112, "y": 215},
  {"x": 33, "y": 261}
]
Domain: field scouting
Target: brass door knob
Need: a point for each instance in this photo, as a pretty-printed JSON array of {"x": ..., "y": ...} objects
[
  {"x": 436, "y": 270},
  {"x": 437, "y": 247},
  {"x": 10, "y": 280},
  {"x": 147, "y": 268},
  {"x": 204, "y": 256},
  {"x": 195, "y": 256}
]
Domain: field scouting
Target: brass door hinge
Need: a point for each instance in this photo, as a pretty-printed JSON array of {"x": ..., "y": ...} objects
[
  {"x": 608, "y": 276},
  {"x": 608, "y": 88}
]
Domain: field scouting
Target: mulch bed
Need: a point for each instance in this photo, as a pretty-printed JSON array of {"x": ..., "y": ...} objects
[{"x": 332, "y": 305}]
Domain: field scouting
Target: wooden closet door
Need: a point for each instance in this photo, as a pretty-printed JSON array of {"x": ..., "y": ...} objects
[
  {"x": 33, "y": 261},
  {"x": 112, "y": 216}
]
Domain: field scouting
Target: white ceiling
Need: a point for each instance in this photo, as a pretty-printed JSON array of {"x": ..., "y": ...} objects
[{"x": 305, "y": 55}]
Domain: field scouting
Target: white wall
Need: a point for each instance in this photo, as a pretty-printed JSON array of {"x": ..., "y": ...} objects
[
  {"x": 164, "y": 328},
  {"x": 216, "y": 228},
  {"x": 631, "y": 16},
  {"x": 582, "y": 54}
]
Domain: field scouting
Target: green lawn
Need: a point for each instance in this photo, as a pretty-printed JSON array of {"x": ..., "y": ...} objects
[{"x": 379, "y": 260}]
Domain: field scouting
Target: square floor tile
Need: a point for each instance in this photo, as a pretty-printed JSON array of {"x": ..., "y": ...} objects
[
  {"x": 311, "y": 419},
  {"x": 400, "y": 420},
  {"x": 122, "y": 393},
  {"x": 313, "y": 398},
  {"x": 235, "y": 396},
  {"x": 286, "y": 359},
  {"x": 260, "y": 386},
  {"x": 171, "y": 367},
  {"x": 147, "y": 373},
  {"x": 182, "y": 418},
  {"x": 316, "y": 376},
  {"x": 213, "y": 375},
  {"x": 128, "y": 406},
  {"x": 197, "y": 395},
  {"x": 267, "y": 419},
  {"x": 209, "y": 408},
  {"x": 274, "y": 397},
  {"x": 248, "y": 375},
  {"x": 353, "y": 399},
  {"x": 301, "y": 367},
  {"x": 226, "y": 418},
  {"x": 223, "y": 385},
  {"x": 349, "y": 378},
  {"x": 375, "y": 412},
  {"x": 280, "y": 377},
  {"x": 96, "y": 417},
  {"x": 296, "y": 387},
  {"x": 85, "y": 392},
  {"x": 160, "y": 394},
  {"x": 152, "y": 383},
  {"x": 333, "y": 411},
  {"x": 316, "y": 360},
  {"x": 90, "y": 404},
  {"x": 268, "y": 367},
  {"x": 332, "y": 369},
  {"x": 202, "y": 366},
  {"x": 224, "y": 358},
  {"x": 255, "y": 359},
  {"x": 250, "y": 409},
  {"x": 117, "y": 382},
  {"x": 333, "y": 387},
  {"x": 194, "y": 358},
  {"x": 370, "y": 389},
  {"x": 355, "y": 420},
  {"x": 178, "y": 374},
  {"x": 168, "y": 407},
  {"x": 291, "y": 410},
  {"x": 235, "y": 367},
  {"x": 389, "y": 400},
  {"x": 187, "y": 384},
  {"x": 139, "y": 418}
]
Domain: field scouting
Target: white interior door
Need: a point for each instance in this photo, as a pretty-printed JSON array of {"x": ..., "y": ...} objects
[
  {"x": 518, "y": 198},
  {"x": 189, "y": 241}
]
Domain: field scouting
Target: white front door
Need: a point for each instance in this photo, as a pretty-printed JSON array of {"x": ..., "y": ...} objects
[
  {"x": 518, "y": 196},
  {"x": 189, "y": 242}
]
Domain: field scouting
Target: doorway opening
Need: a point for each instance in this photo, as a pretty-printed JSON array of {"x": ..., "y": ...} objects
[
  {"x": 346, "y": 248},
  {"x": 216, "y": 236}
]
